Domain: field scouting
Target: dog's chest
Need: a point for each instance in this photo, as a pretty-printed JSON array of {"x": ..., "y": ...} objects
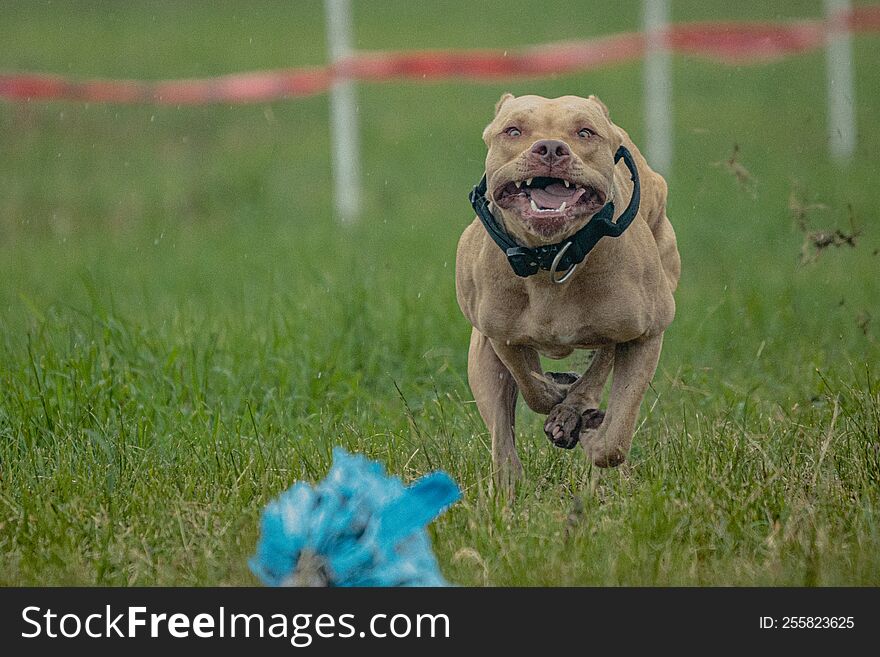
[
  {"x": 557, "y": 322},
  {"x": 557, "y": 328}
]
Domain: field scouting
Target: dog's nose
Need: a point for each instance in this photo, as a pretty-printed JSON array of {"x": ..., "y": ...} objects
[{"x": 551, "y": 151}]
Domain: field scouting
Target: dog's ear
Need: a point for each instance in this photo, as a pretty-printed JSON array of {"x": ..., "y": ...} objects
[
  {"x": 488, "y": 131},
  {"x": 601, "y": 105},
  {"x": 504, "y": 98},
  {"x": 619, "y": 135}
]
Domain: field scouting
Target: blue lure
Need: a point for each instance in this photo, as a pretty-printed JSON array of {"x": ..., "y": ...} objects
[{"x": 357, "y": 527}]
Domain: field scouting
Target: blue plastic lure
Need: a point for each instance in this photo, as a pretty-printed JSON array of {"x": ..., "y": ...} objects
[{"x": 357, "y": 527}]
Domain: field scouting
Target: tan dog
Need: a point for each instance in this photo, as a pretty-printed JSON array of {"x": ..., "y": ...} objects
[{"x": 549, "y": 169}]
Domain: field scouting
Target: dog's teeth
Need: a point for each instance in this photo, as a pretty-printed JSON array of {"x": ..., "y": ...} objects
[
  {"x": 562, "y": 207},
  {"x": 567, "y": 184},
  {"x": 518, "y": 183},
  {"x": 534, "y": 206},
  {"x": 529, "y": 182}
]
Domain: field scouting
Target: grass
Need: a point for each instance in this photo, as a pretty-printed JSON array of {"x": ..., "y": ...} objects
[{"x": 184, "y": 330}]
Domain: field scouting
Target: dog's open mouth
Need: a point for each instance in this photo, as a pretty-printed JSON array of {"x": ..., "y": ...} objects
[{"x": 549, "y": 198}]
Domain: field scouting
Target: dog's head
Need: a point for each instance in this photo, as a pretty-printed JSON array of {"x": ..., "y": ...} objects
[{"x": 550, "y": 165}]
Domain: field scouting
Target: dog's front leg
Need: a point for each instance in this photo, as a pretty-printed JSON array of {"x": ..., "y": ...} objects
[
  {"x": 578, "y": 415},
  {"x": 634, "y": 365},
  {"x": 540, "y": 392},
  {"x": 495, "y": 393}
]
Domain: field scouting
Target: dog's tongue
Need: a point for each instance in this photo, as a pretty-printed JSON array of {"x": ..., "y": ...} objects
[{"x": 552, "y": 196}]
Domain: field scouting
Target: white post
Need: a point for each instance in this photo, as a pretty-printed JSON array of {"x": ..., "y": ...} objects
[
  {"x": 841, "y": 88},
  {"x": 658, "y": 86},
  {"x": 344, "y": 136}
]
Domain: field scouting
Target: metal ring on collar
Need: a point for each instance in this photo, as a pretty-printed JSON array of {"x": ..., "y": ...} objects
[{"x": 555, "y": 264}]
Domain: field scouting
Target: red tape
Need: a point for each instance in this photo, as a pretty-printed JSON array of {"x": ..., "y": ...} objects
[{"x": 725, "y": 42}]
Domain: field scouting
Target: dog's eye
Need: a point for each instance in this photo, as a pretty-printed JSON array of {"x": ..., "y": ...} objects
[
  {"x": 513, "y": 131},
  {"x": 586, "y": 133}
]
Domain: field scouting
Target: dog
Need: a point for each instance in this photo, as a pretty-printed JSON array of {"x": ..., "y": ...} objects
[{"x": 552, "y": 170}]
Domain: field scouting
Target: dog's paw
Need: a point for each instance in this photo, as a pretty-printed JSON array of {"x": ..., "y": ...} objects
[
  {"x": 563, "y": 378},
  {"x": 507, "y": 476},
  {"x": 602, "y": 451},
  {"x": 592, "y": 418},
  {"x": 563, "y": 426},
  {"x": 606, "y": 456},
  {"x": 591, "y": 425}
]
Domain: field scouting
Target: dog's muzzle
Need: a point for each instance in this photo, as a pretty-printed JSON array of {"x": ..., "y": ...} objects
[{"x": 563, "y": 256}]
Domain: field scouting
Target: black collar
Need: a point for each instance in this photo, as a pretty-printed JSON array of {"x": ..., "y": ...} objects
[{"x": 564, "y": 256}]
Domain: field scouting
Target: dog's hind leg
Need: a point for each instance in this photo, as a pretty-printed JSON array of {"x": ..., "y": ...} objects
[
  {"x": 495, "y": 392},
  {"x": 578, "y": 415}
]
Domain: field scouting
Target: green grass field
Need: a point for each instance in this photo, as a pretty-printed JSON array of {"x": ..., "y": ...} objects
[{"x": 185, "y": 331}]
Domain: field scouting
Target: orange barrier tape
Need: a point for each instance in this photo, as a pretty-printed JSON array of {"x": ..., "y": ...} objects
[{"x": 727, "y": 42}]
